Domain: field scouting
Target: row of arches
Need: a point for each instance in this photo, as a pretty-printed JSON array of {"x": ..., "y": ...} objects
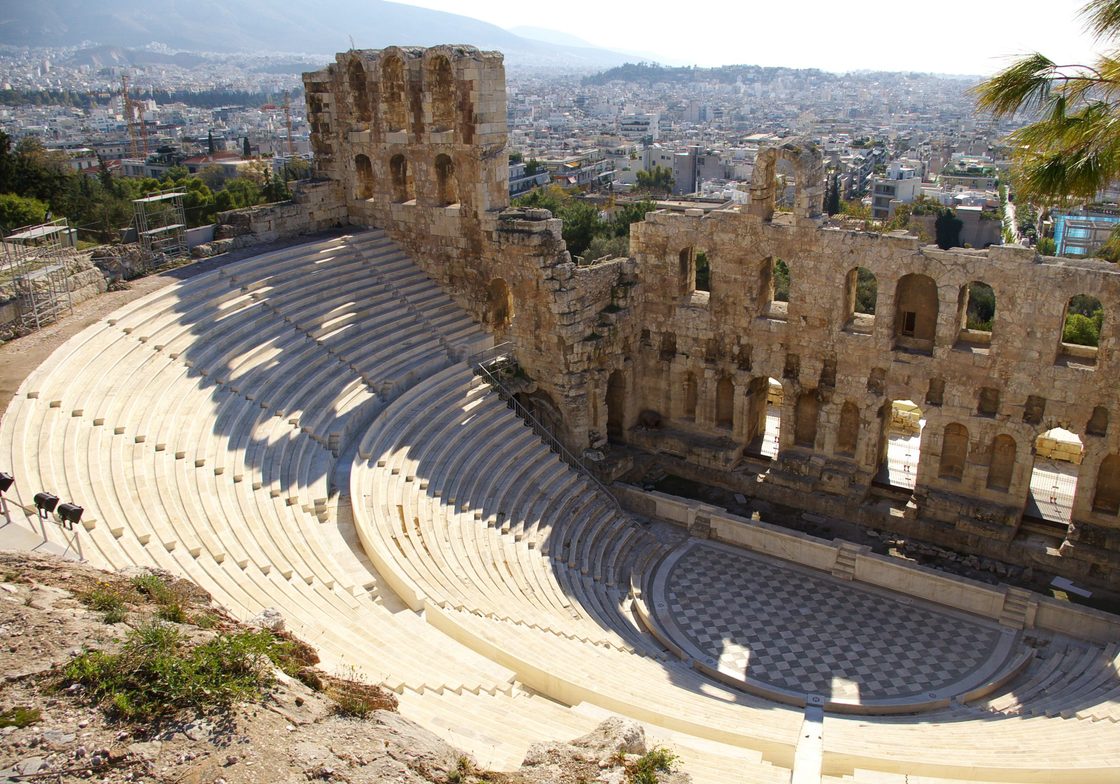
[
  {"x": 401, "y": 182},
  {"x": 1049, "y": 484},
  {"x": 917, "y": 306},
  {"x": 438, "y": 82}
]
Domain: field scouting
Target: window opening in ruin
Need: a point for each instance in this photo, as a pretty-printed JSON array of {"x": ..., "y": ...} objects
[
  {"x": 861, "y": 290},
  {"x": 1106, "y": 498},
  {"x": 954, "y": 451},
  {"x": 847, "y": 435},
  {"x": 402, "y": 179},
  {"x": 900, "y": 444},
  {"x": 364, "y": 171},
  {"x": 805, "y": 419},
  {"x": 976, "y": 311},
  {"x": 915, "y": 314},
  {"x": 725, "y": 403},
  {"x": 616, "y": 412},
  {"x": 447, "y": 187},
  {"x": 703, "y": 271},
  {"x": 1001, "y": 463},
  {"x": 393, "y": 94},
  {"x": 1082, "y": 323},
  {"x": 773, "y": 284},
  {"x": 1054, "y": 473},
  {"x": 764, "y": 417},
  {"x": 359, "y": 91},
  {"x": 694, "y": 273},
  {"x": 691, "y": 394},
  {"x": 785, "y": 185},
  {"x": 499, "y": 304},
  {"x": 442, "y": 93}
]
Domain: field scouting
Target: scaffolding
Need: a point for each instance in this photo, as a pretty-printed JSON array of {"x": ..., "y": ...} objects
[
  {"x": 35, "y": 267},
  {"x": 161, "y": 225}
]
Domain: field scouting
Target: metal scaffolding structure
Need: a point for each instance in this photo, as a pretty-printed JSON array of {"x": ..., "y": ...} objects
[
  {"x": 35, "y": 265},
  {"x": 161, "y": 224}
]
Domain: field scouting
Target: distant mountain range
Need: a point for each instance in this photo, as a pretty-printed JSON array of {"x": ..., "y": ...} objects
[{"x": 320, "y": 27}]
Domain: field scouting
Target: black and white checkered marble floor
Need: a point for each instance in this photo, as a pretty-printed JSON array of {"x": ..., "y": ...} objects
[{"x": 808, "y": 632}]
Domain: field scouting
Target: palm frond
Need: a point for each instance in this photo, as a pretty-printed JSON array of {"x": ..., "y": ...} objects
[{"x": 1025, "y": 84}]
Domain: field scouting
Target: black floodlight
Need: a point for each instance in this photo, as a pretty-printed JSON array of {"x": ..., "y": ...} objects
[
  {"x": 45, "y": 503},
  {"x": 71, "y": 514},
  {"x": 6, "y": 481}
]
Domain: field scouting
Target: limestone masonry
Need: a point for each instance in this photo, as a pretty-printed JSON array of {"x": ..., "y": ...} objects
[{"x": 629, "y": 351}]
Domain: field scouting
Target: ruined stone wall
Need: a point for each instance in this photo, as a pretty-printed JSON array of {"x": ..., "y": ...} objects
[
  {"x": 629, "y": 351},
  {"x": 416, "y": 140},
  {"x": 973, "y": 387}
]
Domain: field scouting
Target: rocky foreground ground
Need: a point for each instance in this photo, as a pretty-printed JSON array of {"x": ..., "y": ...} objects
[{"x": 61, "y": 722}]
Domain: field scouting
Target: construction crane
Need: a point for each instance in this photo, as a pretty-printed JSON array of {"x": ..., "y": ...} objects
[
  {"x": 129, "y": 117},
  {"x": 288, "y": 121},
  {"x": 134, "y": 115}
]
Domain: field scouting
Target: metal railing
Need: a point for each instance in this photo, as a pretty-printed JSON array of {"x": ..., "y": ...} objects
[{"x": 479, "y": 363}]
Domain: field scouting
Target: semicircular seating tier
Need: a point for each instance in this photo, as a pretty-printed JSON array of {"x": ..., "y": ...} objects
[{"x": 298, "y": 430}]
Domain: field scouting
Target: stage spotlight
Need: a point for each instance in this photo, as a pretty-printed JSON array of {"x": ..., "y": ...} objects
[
  {"x": 71, "y": 514},
  {"x": 5, "y": 481},
  {"x": 45, "y": 503}
]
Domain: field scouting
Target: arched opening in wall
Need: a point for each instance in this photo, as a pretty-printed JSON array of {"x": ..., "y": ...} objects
[
  {"x": 785, "y": 185},
  {"x": 402, "y": 179},
  {"x": 915, "y": 321},
  {"x": 540, "y": 404},
  {"x": 900, "y": 444},
  {"x": 954, "y": 451},
  {"x": 359, "y": 91},
  {"x": 691, "y": 395},
  {"x": 394, "y": 94},
  {"x": 1001, "y": 463},
  {"x": 773, "y": 288},
  {"x": 847, "y": 435},
  {"x": 616, "y": 407},
  {"x": 1106, "y": 498},
  {"x": 499, "y": 304},
  {"x": 1054, "y": 471},
  {"x": 363, "y": 184},
  {"x": 447, "y": 187},
  {"x": 805, "y": 419},
  {"x": 694, "y": 270},
  {"x": 764, "y": 417},
  {"x": 976, "y": 310},
  {"x": 1082, "y": 322},
  {"x": 861, "y": 290},
  {"x": 725, "y": 403},
  {"x": 441, "y": 89}
]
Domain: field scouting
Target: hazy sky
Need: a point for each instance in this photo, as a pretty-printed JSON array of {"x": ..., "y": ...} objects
[{"x": 945, "y": 37}]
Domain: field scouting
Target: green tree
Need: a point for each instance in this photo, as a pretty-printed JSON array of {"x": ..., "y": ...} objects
[
  {"x": 18, "y": 211},
  {"x": 626, "y": 215},
  {"x": 948, "y": 227},
  {"x": 659, "y": 179},
  {"x": 832, "y": 194},
  {"x": 1046, "y": 246},
  {"x": 581, "y": 224},
  {"x": 1073, "y": 149}
]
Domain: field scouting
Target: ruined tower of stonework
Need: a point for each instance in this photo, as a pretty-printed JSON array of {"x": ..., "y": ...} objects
[{"x": 780, "y": 379}]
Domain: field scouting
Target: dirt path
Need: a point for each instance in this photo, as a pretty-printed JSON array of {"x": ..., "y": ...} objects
[{"x": 19, "y": 357}]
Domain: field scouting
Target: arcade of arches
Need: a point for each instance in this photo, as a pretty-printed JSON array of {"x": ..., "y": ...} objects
[{"x": 933, "y": 393}]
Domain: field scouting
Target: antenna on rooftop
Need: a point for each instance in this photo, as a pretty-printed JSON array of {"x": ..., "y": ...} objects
[{"x": 352, "y": 47}]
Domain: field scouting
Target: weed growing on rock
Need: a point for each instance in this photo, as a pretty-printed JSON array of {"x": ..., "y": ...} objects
[{"x": 157, "y": 673}]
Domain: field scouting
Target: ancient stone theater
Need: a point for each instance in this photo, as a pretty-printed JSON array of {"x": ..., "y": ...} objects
[{"x": 422, "y": 432}]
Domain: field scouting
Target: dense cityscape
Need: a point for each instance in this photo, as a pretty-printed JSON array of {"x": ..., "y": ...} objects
[{"x": 889, "y": 139}]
